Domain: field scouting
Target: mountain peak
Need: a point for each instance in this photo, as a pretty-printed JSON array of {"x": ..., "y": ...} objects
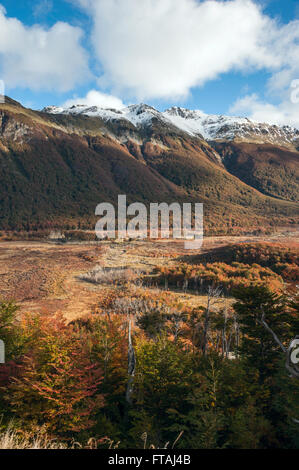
[{"x": 195, "y": 123}]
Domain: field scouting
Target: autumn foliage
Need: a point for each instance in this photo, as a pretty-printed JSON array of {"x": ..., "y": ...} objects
[{"x": 205, "y": 369}]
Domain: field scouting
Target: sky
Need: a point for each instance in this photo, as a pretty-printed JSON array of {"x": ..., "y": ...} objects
[{"x": 237, "y": 57}]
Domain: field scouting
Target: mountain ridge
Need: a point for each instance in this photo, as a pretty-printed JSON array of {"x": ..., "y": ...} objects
[
  {"x": 193, "y": 122},
  {"x": 55, "y": 168}
]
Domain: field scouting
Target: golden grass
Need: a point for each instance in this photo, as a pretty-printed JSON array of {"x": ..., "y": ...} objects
[{"x": 11, "y": 439}]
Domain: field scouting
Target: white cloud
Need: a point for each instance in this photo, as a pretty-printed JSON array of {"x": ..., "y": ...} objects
[
  {"x": 285, "y": 113},
  {"x": 285, "y": 46},
  {"x": 163, "y": 48},
  {"x": 97, "y": 98},
  {"x": 42, "y": 8},
  {"x": 156, "y": 49},
  {"x": 41, "y": 58}
]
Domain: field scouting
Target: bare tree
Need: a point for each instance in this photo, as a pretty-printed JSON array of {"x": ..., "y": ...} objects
[
  {"x": 214, "y": 295},
  {"x": 237, "y": 335},
  {"x": 177, "y": 321},
  {"x": 131, "y": 366},
  {"x": 2, "y": 352},
  {"x": 290, "y": 366},
  {"x": 228, "y": 333}
]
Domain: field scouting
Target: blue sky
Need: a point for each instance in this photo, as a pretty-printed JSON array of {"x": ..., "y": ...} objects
[{"x": 100, "y": 50}]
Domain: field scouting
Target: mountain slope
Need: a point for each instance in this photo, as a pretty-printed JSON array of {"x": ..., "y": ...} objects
[
  {"x": 272, "y": 170},
  {"x": 55, "y": 167}
]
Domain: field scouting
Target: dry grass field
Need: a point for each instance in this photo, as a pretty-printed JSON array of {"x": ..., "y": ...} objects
[{"x": 48, "y": 277}]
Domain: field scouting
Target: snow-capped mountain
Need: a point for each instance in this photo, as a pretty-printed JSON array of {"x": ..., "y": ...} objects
[
  {"x": 193, "y": 122},
  {"x": 85, "y": 155},
  {"x": 139, "y": 115},
  {"x": 220, "y": 127}
]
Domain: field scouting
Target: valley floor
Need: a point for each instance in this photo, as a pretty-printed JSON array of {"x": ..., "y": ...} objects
[{"x": 45, "y": 277}]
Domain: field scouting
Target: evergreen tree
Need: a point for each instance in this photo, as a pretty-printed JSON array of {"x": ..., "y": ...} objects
[{"x": 255, "y": 305}]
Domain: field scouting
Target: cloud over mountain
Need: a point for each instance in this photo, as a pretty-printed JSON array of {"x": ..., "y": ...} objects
[
  {"x": 41, "y": 58},
  {"x": 97, "y": 98},
  {"x": 163, "y": 48},
  {"x": 155, "y": 50},
  {"x": 255, "y": 108}
]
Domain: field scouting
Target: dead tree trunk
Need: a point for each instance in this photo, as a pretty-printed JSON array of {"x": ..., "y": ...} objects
[
  {"x": 237, "y": 336},
  {"x": 292, "y": 368},
  {"x": 131, "y": 366},
  {"x": 2, "y": 352},
  {"x": 213, "y": 297},
  {"x": 224, "y": 339}
]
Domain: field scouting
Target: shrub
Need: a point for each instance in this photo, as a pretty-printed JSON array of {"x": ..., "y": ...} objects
[{"x": 100, "y": 275}]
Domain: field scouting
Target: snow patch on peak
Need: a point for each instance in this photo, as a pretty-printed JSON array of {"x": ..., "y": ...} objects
[
  {"x": 196, "y": 123},
  {"x": 220, "y": 127},
  {"x": 53, "y": 110},
  {"x": 208, "y": 125},
  {"x": 141, "y": 114},
  {"x": 138, "y": 115}
]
